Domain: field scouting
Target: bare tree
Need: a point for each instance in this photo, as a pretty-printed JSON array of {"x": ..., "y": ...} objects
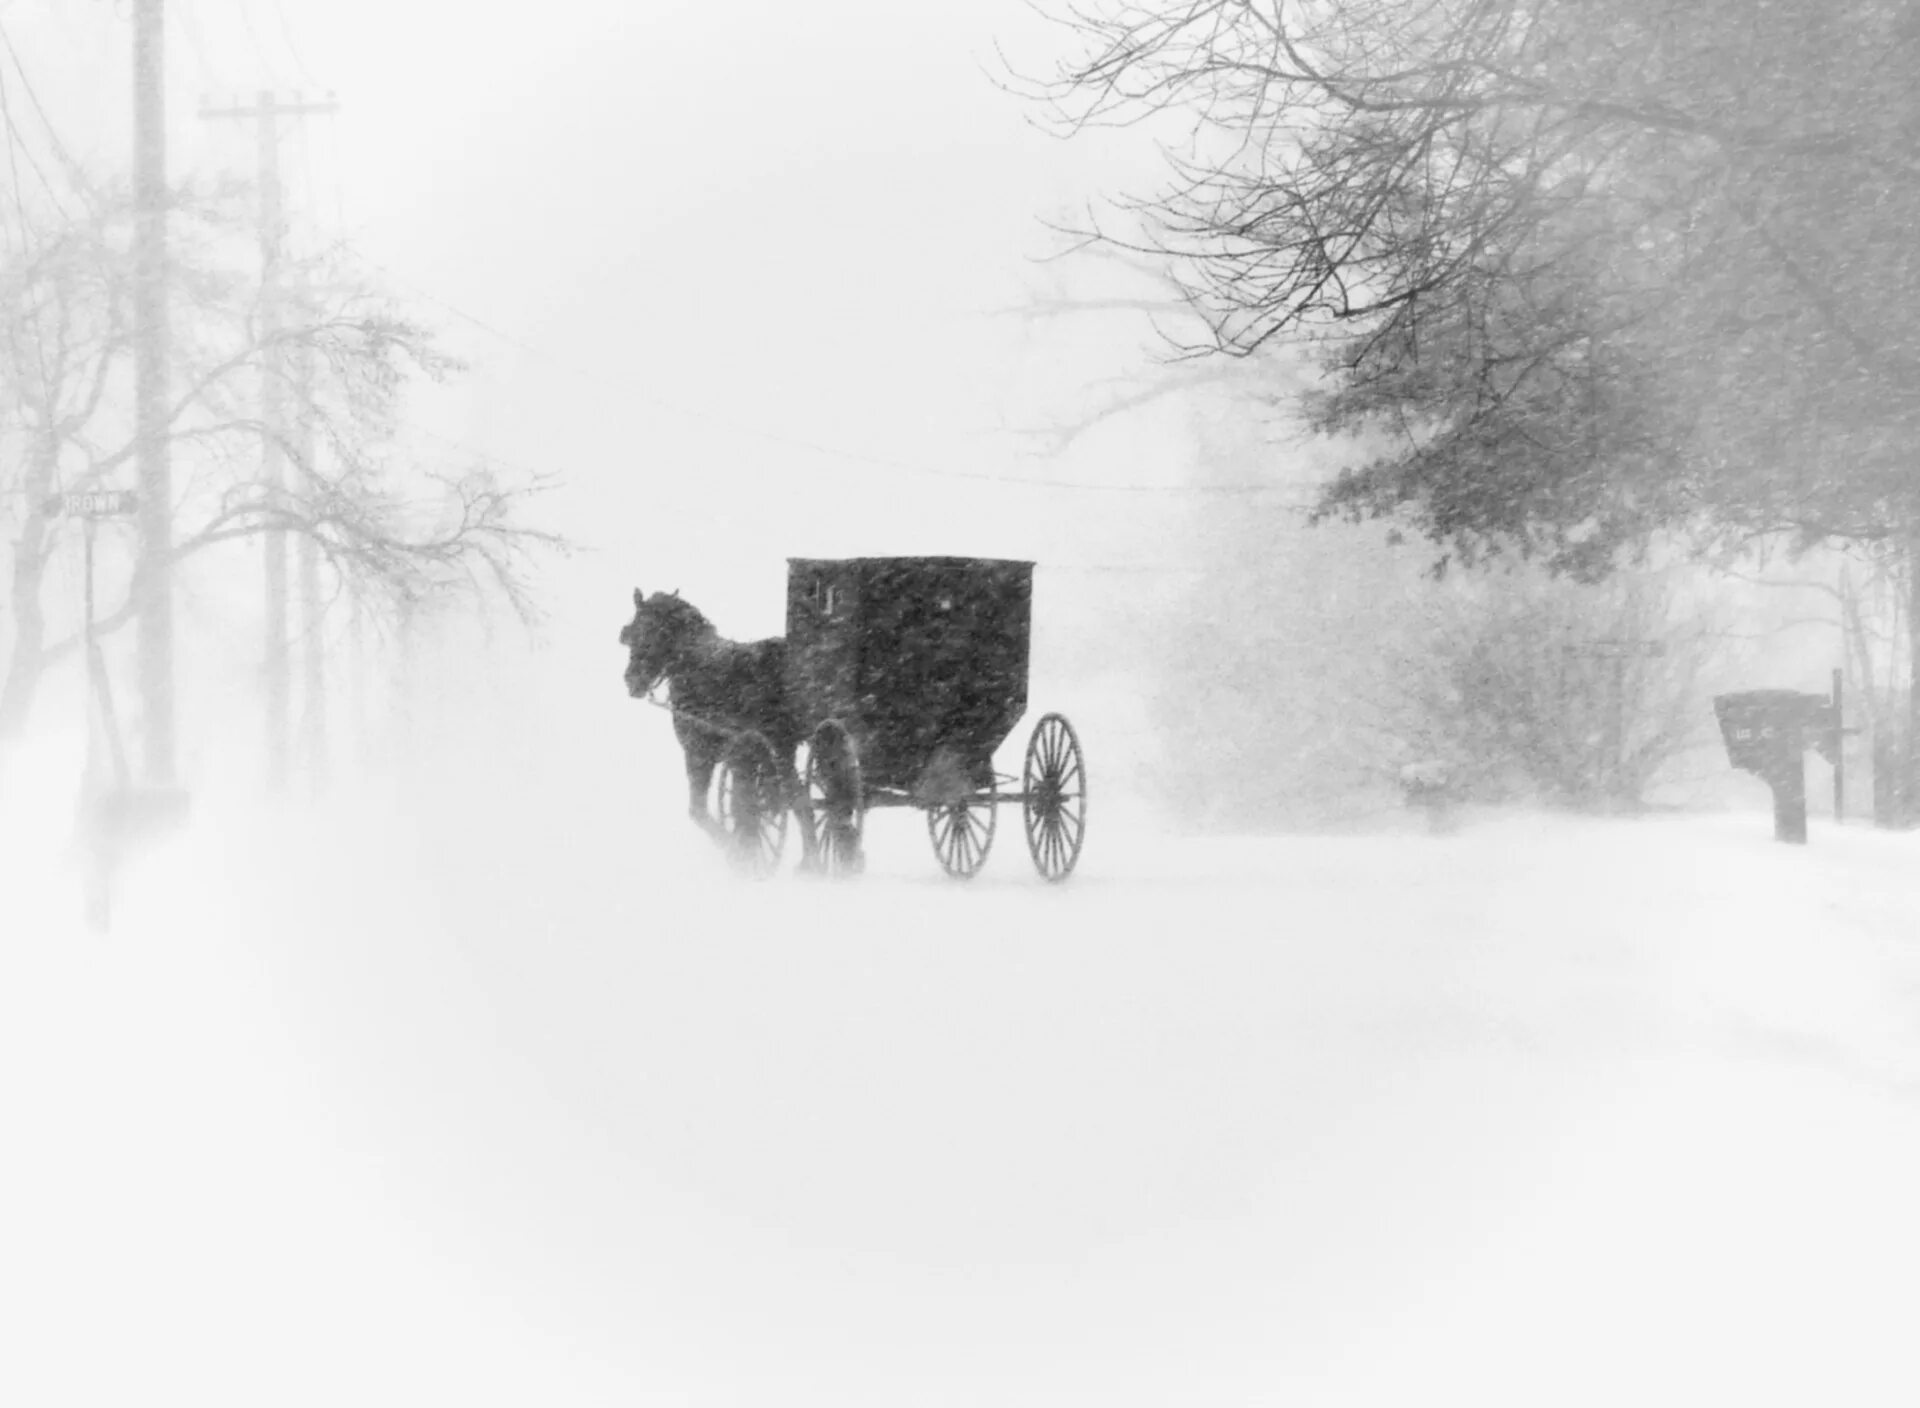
[{"x": 393, "y": 530}]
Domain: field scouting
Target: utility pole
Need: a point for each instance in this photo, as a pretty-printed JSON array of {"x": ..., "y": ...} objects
[
  {"x": 357, "y": 685},
  {"x": 1909, "y": 794},
  {"x": 150, "y": 393},
  {"x": 407, "y": 687},
  {"x": 313, "y": 684},
  {"x": 266, "y": 112},
  {"x": 1839, "y": 699}
]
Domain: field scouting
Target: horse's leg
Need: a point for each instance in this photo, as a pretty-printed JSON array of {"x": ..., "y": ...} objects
[
  {"x": 699, "y": 780},
  {"x": 702, "y": 756}
]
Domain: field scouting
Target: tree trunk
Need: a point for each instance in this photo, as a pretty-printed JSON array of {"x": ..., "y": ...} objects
[
  {"x": 28, "y": 659},
  {"x": 1910, "y": 743},
  {"x": 21, "y": 684},
  {"x": 25, "y": 664}
]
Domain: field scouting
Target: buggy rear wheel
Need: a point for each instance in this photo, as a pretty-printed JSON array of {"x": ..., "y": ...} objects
[
  {"x": 961, "y": 829},
  {"x": 751, "y": 806},
  {"x": 1054, "y": 788},
  {"x": 836, "y": 801}
]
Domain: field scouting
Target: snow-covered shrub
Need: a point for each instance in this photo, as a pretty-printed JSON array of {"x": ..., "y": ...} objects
[{"x": 1551, "y": 690}]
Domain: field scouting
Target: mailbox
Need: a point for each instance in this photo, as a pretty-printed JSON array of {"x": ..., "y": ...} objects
[
  {"x": 1767, "y": 733},
  {"x": 1766, "y": 730}
]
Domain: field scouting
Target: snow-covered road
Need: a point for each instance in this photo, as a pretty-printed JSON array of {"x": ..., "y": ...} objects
[{"x": 500, "y": 1107}]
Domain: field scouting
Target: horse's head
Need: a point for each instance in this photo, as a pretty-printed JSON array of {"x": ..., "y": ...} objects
[{"x": 657, "y": 638}]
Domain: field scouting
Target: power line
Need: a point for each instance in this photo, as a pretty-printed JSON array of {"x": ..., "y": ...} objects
[
  {"x": 210, "y": 76},
  {"x": 17, "y": 148},
  {"x": 259, "y": 49},
  {"x": 305, "y": 149},
  {"x": 735, "y": 427},
  {"x": 293, "y": 50},
  {"x": 339, "y": 187},
  {"x": 486, "y": 455},
  {"x": 75, "y": 172},
  {"x": 13, "y": 163}
]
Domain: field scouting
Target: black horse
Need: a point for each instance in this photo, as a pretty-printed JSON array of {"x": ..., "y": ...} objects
[{"x": 722, "y": 692}]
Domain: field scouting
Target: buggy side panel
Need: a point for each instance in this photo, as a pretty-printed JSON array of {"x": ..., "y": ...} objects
[{"x": 922, "y": 656}]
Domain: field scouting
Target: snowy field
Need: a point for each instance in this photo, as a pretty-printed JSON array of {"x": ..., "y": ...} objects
[{"x": 516, "y": 1098}]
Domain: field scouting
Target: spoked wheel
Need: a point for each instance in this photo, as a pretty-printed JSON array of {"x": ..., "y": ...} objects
[
  {"x": 835, "y": 799},
  {"x": 1055, "y": 788},
  {"x": 962, "y": 830},
  {"x": 750, "y": 802}
]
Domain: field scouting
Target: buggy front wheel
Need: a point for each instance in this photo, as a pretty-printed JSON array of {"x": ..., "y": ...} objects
[
  {"x": 1054, "y": 797},
  {"x": 750, "y": 805},
  {"x": 835, "y": 799}
]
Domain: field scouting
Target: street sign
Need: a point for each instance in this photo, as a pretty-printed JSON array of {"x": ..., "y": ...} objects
[{"x": 94, "y": 503}]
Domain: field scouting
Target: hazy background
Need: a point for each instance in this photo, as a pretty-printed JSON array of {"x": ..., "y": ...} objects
[
  {"x": 682, "y": 248},
  {"x": 765, "y": 282}
]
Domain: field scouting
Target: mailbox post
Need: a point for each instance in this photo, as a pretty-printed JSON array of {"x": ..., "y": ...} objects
[{"x": 1767, "y": 732}]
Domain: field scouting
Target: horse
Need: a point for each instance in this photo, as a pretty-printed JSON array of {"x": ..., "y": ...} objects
[{"x": 719, "y": 690}]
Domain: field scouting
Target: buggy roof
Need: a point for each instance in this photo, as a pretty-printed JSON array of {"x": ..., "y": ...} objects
[{"x": 911, "y": 561}]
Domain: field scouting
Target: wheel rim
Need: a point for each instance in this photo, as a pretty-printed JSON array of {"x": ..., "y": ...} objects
[
  {"x": 1055, "y": 786},
  {"x": 962, "y": 832},
  {"x": 835, "y": 799},
  {"x": 751, "y": 811}
]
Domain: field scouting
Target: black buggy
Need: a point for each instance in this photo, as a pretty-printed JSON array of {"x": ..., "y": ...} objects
[{"x": 905, "y": 675}]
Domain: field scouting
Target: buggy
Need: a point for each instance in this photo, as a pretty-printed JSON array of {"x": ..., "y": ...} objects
[{"x": 906, "y": 674}]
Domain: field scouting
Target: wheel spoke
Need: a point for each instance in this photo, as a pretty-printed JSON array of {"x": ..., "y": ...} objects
[
  {"x": 962, "y": 833},
  {"x": 750, "y": 805},
  {"x": 1053, "y": 797},
  {"x": 1068, "y": 820}
]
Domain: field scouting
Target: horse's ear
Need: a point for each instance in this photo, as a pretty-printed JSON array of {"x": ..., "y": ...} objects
[
  {"x": 639, "y": 597},
  {"x": 675, "y": 593}
]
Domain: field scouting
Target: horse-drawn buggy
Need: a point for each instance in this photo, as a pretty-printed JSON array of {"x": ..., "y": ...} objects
[{"x": 896, "y": 682}]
